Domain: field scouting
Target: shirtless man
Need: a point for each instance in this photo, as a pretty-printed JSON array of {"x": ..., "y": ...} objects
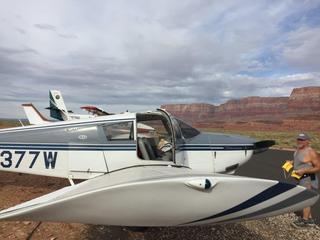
[{"x": 306, "y": 164}]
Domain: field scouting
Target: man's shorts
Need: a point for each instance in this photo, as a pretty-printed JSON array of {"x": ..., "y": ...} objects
[{"x": 310, "y": 181}]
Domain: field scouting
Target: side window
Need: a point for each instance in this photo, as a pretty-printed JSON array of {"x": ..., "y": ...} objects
[{"x": 119, "y": 131}]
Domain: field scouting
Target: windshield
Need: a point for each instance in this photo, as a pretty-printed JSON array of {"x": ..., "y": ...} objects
[{"x": 186, "y": 130}]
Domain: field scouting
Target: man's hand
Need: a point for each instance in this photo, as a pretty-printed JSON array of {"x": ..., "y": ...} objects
[
  {"x": 287, "y": 166},
  {"x": 300, "y": 172}
]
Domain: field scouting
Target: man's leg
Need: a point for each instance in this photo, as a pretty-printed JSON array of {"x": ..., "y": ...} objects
[
  {"x": 306, "y": 219},
  {"x": 307, "y": 213}
]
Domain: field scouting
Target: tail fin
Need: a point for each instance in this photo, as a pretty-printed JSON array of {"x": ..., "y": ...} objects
[
  {"x": 57, "y": 107},
  {"x": 33, "y": 115}
]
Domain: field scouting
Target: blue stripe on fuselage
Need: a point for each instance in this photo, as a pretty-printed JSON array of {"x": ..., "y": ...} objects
[
  {"x": 74, "y": 147},
  {"x": 117, "y": 147},
  {"x": 212, "y": 147}
]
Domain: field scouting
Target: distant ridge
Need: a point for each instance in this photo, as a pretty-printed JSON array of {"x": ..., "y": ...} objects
[
  {"x": 283, "y": 113},
  {"x": 13, "y": 119},
  {"x": 12, "y": 122}
]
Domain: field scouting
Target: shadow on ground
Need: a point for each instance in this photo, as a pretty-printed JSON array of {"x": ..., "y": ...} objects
[{"x": 223, "y": 232}]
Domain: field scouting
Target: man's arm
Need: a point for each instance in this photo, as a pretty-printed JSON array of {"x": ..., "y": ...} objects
[{"x": 312, "y": 158}]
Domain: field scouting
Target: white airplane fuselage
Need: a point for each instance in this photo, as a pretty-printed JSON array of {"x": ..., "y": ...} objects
[{"x": 82, "y": 149}]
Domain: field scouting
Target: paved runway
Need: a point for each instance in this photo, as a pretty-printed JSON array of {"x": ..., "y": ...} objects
[{"x": 268, "y": 165}]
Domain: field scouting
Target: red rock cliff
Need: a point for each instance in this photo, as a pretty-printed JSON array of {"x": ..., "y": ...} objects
[
  {"x": 306, "y": 100},
  {"x": 252, "y": 107},
  {"x": 303, "y": 104},
  {"x": 191, "y": 112}
]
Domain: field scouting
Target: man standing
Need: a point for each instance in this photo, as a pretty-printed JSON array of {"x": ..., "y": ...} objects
[{"x": 306, "y": 164}]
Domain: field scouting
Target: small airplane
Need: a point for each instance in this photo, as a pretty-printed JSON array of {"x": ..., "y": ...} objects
[
  {"x": 233, "y": 151},
  {"x": 164, "y": 176},
  {"x": 58, "y": 110}
]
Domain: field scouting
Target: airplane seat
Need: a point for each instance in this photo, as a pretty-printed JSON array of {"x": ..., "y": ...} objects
[
  {"x": 149, "y": 149},
  {"x": 143, "y": 149},
  {"x": 153, "y": 145}
]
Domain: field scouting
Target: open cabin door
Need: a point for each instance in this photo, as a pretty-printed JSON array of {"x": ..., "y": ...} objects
[
  {"x": 155, "y": 138},
  {"x": 177, "y": 139},
  {"x": 178, "y": 143}
]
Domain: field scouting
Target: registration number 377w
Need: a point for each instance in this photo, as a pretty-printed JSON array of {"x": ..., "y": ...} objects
[{"x": 13, "y": 159}]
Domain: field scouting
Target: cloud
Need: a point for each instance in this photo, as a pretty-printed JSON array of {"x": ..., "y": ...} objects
[
  {"x": 13, "y": 51},
  {"x": 45, "y": 27},
  {"x": 143, "y": 54},
  {"x": 21, "y": 31},
  {"x": 68, "y": 36},
  {"x": 300, "y": 49}
]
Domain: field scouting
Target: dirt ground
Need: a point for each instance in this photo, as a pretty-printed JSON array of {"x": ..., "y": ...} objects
[{"x": 16, "y": 188}]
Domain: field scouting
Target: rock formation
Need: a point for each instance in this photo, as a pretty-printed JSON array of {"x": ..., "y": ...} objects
[
  {"x": 301, "y": 108},
  {"x": 191, "y": 112},
  {"x": 305, "y": 100},
  {"x": 252, "y": 107}
]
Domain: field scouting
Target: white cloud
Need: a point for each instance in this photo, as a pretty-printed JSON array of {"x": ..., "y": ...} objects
[
  {"x": 302, "y": 49},
  {"x": 146, "y": 53},
  {"x": 301, "y": 77}
]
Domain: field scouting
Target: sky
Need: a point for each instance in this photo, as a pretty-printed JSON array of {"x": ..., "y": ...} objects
[{"x": 136, "y": 55}]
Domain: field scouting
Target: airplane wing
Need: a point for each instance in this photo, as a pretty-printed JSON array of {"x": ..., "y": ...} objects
[
  {"x": 162, "y": 196},
  {"x": 95, "y": 110},
  {"x": 262, "y": 146}
]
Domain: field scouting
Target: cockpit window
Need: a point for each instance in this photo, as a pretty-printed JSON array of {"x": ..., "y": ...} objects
[{"x": 186, "y": 130}]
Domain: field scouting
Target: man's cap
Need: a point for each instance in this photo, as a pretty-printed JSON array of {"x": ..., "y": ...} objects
[{"x": 303, "y": 136}]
